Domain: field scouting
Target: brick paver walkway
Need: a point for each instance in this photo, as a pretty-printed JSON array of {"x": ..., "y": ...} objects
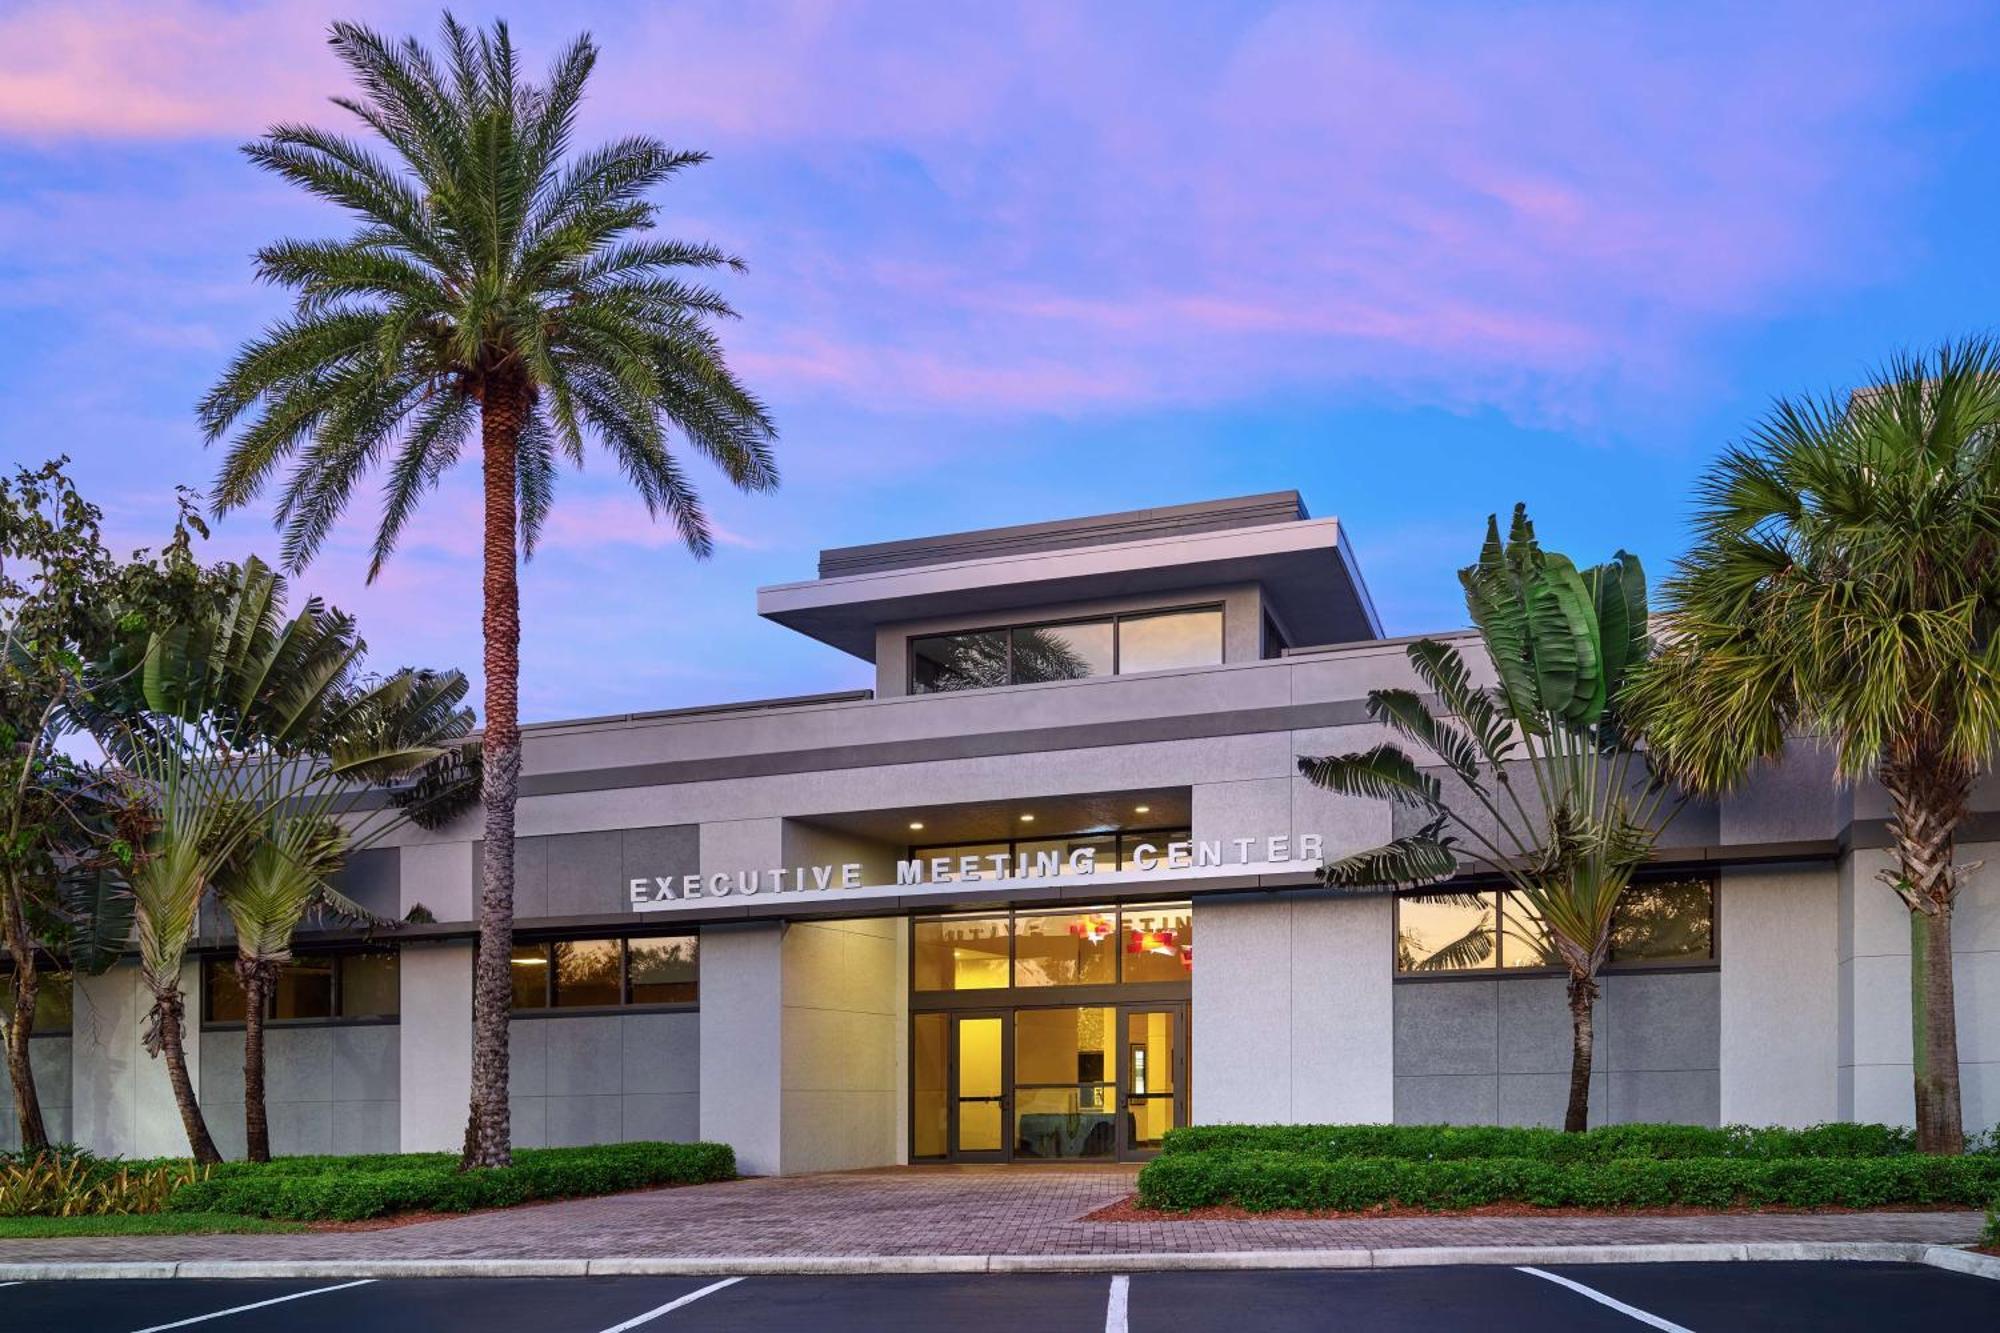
[{"x": 945, "y": 1210}]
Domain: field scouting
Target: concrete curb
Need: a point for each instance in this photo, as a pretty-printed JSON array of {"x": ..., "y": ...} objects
[{"x": 1938, "y": 1256}]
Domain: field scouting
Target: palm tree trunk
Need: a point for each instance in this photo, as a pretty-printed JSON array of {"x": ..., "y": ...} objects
[
  {"x": 1929, "y": 797},
  {"x": 25, "y": 985},
  {"x": 167, "y": 1042},
  {"x": 1582, "y": 1000},
  {"x": 488, "y": 1137},
  {"x": 256, "y": 1119}
]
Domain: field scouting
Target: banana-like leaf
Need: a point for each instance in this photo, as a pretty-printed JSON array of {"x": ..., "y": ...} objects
[
  {"x": 1563, "y": 640},
  {"x": 1383, "y": 773},
  {"x": 94, "y": 906},
  {"x": 1443, "y": 669},
  {"x": 443, "y": 789},
  {"x": 1502, "y": 619},
  {"x": 1618, "y": 587},
  {"x": 1423, "y": 857},
  {"x": 1469, "y": 950},
  {"x": 1404, "y": 711}
]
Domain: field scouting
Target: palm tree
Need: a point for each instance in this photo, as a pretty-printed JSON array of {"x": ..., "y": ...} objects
[
  {"x": 493, "y": 281},
  {"x": 1844, "y": 581},
  {"x": 1561, "y": 643}
]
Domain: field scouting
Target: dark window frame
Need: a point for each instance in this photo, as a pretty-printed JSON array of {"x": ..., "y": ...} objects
[
  {"x": 626, "y": 1004},
  {"x": 1501, "y": 889},
  {"x": 339, "y": 987},
  {"x": 1007, "y": 630}
]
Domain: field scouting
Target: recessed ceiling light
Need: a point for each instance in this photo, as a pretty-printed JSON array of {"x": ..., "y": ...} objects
[
  {"x": 1142, "y": 809},
  {"x": 1027, "y": 819},
  {"x": 916, "y": 825}
]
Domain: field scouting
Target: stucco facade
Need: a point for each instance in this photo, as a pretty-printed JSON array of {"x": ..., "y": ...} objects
[{"x": 804, "y": 1043}]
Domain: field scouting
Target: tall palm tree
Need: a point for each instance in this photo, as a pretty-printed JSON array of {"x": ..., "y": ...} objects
[
  {"x": 1844, "y": 581},
  {"x": 1534, "y": 782},
  {"x": 492, "y": 281}
]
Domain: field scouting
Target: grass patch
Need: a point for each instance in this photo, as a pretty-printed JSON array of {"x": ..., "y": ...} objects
[{"x": 137, "y": 1224}]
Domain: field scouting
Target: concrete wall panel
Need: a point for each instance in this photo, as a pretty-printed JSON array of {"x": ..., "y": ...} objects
[{"x": 1779, "y": 996}]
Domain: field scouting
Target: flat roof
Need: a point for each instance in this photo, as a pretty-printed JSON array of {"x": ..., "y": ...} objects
[{"x": 1305, "y": 566}]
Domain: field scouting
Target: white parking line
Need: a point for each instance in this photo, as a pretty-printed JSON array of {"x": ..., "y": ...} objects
[
  {"x": 673, "y": 1305},
  {"x": 1114, "y": 1309},
  {"x": 254, "y": 1305},
  {"x": 1633, "y": 1311}
]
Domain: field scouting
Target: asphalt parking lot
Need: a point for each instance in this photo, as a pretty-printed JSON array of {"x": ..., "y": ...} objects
[{"x": 1705, "y": 1297}]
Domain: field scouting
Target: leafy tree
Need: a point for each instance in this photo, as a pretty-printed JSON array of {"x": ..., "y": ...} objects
[
  {"x": 251, "y": 739},
  {"x": 1534, "y": 781},
  {"x": 1844, "y": 581},
  {"x": 494, "y": 282},
  {"x": 63, "y": 599}
]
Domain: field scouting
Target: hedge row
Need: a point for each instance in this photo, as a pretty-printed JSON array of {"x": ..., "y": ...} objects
[
  {"x": 1607, "y": 1143},
  {"x": 351, "y": 1188},
  {"x": 1261, "y": 1181}
]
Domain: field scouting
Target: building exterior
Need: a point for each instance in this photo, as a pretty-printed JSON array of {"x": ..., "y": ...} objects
[{"x": 1044, "y": 892}]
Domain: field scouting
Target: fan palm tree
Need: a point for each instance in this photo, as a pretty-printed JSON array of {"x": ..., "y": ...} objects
[
  {"x": 1561, "y": 642},
  {"x": 493, "y": 283},
  {"x": 1844, "y": 581}
]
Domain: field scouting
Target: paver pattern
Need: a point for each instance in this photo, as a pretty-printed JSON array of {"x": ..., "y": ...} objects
[{"x": 946, "y": 1210}]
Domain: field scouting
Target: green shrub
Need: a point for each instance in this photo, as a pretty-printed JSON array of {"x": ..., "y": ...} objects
[
  {"x": 1990, "y": 1237},
  {"x": 1262, "y": 1180},
  {"x": 1607, "y": 1143},
  {"x": 79, "y": 1184},
  {"x": 351, "y": 1188}
]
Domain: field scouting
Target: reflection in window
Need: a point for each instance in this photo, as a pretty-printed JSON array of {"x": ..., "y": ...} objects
[
  {"x": 1158, "y": 943},
  {"x": 1658, "y": 919},
  {"x": 1655, "y": 921},
  {"x": 1096, "y": 946},
  {"x": 1062, "y": 652},
  {"x": 1444, "y": 932},
  {"x": 1065, "y": 650},
  {"x": 941, "y": 663},
  {"x": 54, "y": 1001},
  {"x": 1174, "y": 639},
  {"x": 1066, "y": 948},
  {"x": 606, "y": 973},
  {"x": 308, "y": 988},
  {"x": 586, "y": 974},
  {"x": 961, "y": 953},
  {"x": 664, "y": 971}
]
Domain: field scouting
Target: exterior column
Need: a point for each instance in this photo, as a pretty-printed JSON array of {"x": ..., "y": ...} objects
[
  {"x": 434, "y": 1047},
  {"x": 742, "y": 1042},
  {"x": 1778, "y": 937}
]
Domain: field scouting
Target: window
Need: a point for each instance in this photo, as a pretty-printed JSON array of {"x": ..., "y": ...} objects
[
  {"x": 1078, "y": 946},
  {"x": 1658, "y": 920},
  {"x": 1029, "y": 856},
  {"x": 311, "y": 988},
  {"x": 1065, "y": 650},
  {"x": 54, "y": 1002},
  {"x": 606, "y": 973}
]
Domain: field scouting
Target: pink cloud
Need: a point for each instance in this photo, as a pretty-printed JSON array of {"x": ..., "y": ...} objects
[{"x": 1043, "y": 207}]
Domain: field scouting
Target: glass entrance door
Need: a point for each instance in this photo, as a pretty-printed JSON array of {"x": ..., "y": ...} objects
[
  {"x": 1152, "y": 1059},
  {"x": 979, "y": 1087},
  {"x": 1065, "y": 1083}
]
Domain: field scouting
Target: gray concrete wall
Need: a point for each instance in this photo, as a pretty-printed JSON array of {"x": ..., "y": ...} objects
[
  {"x": 1778, "y": 930},
  {"x": 328, "y": 1088},
  {"x": 1491, "y": 1050},
  {"x": 587, "y": 873},
  {"x": 604, "y": 1078},
  {"x": 49, "y": 1057},
  {"x": 1291, "y": 1011}
]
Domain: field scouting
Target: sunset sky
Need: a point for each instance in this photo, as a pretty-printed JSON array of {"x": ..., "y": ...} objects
[{"x": 1013, "y": 262}]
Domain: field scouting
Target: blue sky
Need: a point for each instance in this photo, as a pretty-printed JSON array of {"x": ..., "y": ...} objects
[{"x": 1011, "y": 262}]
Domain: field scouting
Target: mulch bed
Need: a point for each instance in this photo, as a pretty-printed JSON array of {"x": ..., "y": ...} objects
[{"x": 1127, "y": 1209}]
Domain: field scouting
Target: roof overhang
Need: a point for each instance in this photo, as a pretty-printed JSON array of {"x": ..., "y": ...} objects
[{"x": 1304, "y": 566}]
